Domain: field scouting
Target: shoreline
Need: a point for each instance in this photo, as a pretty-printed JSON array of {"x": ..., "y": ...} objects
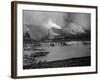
[{"x": 73, "y": 62}]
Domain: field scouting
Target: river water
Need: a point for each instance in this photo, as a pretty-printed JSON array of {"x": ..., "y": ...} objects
[{"x": 58, "y": 52}]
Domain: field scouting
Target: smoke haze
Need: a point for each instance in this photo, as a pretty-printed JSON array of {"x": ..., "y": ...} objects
[{"x": 37, "y": 22}]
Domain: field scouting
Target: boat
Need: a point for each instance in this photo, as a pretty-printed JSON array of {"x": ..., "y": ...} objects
[{"x": 40, "y": 53}]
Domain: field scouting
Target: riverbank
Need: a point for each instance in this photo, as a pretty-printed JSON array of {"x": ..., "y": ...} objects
[{"x": 73, "y": 62}]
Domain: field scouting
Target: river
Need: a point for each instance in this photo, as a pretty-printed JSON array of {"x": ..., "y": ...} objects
[{"x": 58, "y": 52}]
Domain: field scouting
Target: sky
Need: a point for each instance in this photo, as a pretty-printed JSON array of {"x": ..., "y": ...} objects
[{"x": 38, "y": 22}]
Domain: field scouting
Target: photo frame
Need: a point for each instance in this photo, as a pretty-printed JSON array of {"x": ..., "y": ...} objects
[{"x": 51, "y": 39}]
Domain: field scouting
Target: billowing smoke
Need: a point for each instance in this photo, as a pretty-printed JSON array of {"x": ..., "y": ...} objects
[
  {"x": 38, "y": 22},
  {"x": 81, "y": 19}
]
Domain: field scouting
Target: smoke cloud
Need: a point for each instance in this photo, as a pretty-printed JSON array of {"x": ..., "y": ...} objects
[{"x": 36, "y": 22}]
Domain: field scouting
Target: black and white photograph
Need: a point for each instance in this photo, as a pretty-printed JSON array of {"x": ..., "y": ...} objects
[
  {"x": 56, "y": 39},
  {"x": 53, "y": 39}
]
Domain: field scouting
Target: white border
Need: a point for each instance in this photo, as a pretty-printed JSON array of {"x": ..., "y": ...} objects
[{"x": 31, "y": 72}]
